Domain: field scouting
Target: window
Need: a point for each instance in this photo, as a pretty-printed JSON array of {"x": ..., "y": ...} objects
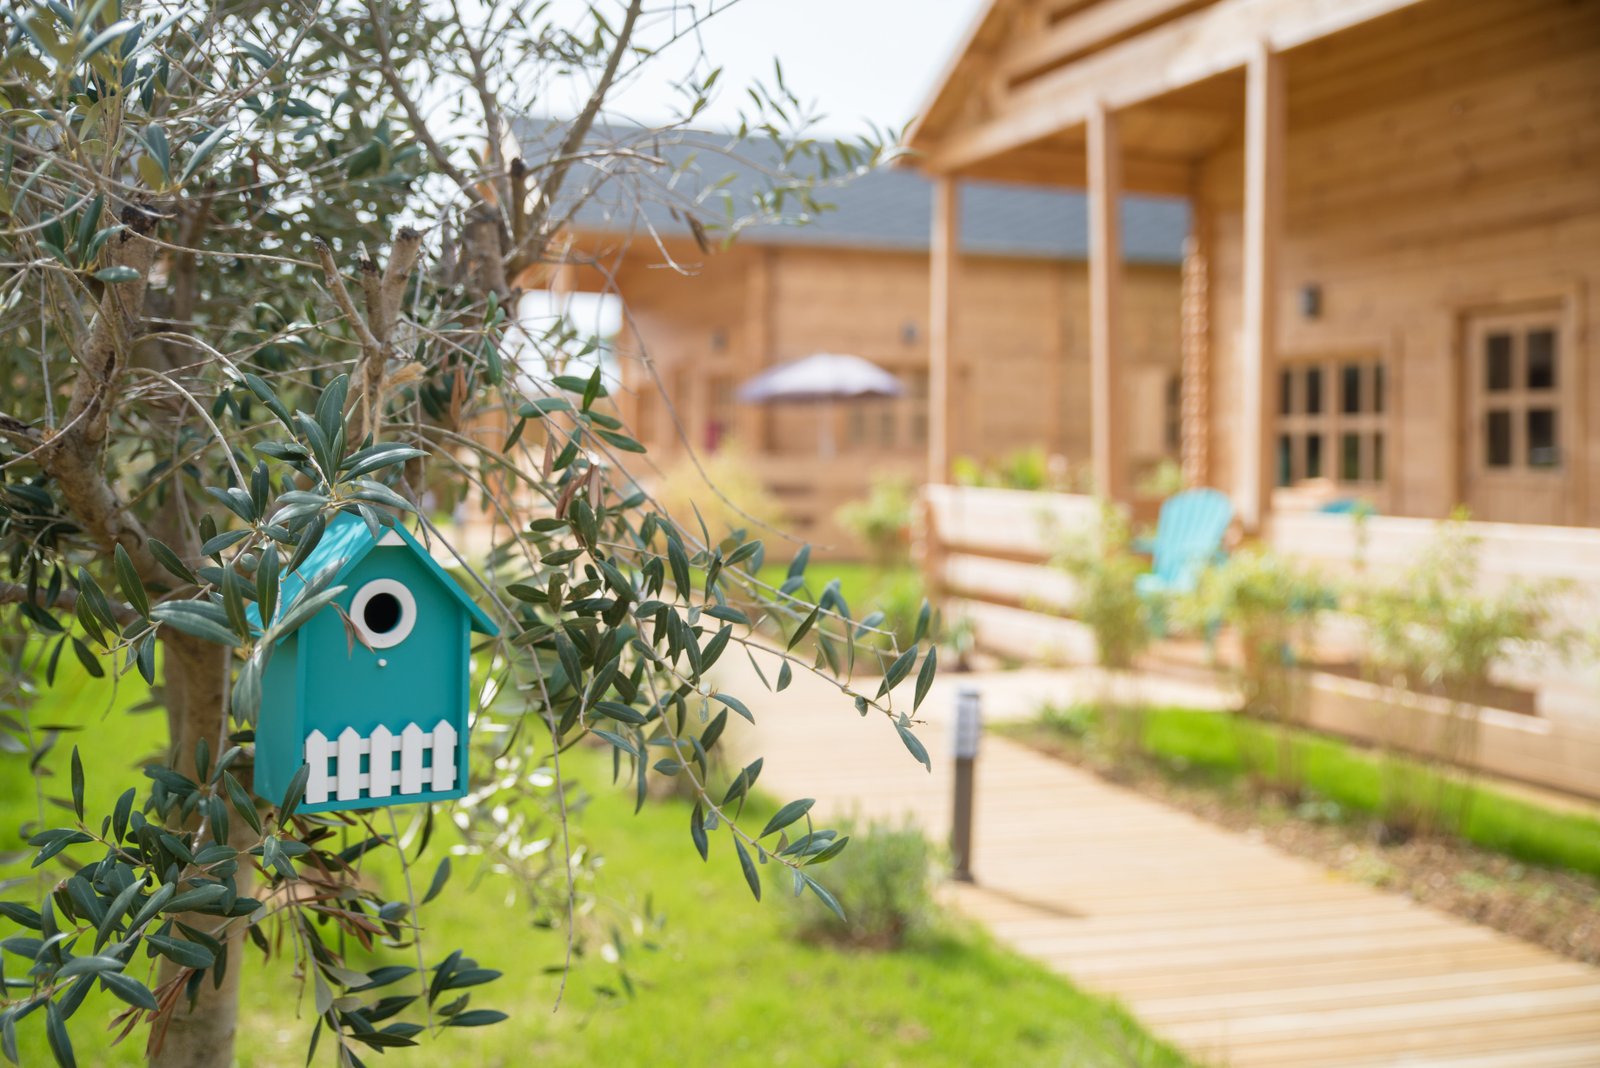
[
  {"x": 890, "y": 424},
  {"x": 1516, "y": 409},
  {"x": 870, "y": 424},
  {"x": 856, "y": 430},
  {"x": 1331, "y": 421}
]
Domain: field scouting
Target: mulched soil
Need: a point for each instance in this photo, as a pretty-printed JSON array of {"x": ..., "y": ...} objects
[{"x": 1555, "y": 909}]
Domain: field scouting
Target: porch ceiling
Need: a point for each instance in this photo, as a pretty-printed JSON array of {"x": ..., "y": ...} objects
[
  {"x": 1014, "y": 101},
  {"x": 1160, "y": 140}
]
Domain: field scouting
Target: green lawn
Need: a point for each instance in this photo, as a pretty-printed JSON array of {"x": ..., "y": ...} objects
[
  {"x": 1207, "y": 746},
  {"x": 723, "y": 985}
]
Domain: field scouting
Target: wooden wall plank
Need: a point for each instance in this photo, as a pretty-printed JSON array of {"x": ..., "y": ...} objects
[
  {"x": 944, "y": 268},
  {"x": 755, "y": 352}
]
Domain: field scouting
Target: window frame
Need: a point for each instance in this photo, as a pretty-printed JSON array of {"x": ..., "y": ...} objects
[
  {"x": 1519, "y": 400},
  {"x": 1332, "y": 423}
]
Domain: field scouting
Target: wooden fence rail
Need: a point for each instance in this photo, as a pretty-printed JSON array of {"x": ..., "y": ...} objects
[{"x": 987, "y": 552}]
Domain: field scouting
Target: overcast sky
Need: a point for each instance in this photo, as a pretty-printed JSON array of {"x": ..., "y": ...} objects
[{"x": 856, "y": 61}]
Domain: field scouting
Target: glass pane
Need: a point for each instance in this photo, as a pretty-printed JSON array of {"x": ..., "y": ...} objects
[
  {"x": 1541, "y": 359},
  {"x": 1377, "y": 457},
  {"x": 1377, "y": 387},
  {"x": 1542, "y": 448},
  {"x": 1497, "y": 363},
  {"x": 1350, "y": 389},
  {"x": 1285, "y": 464},
  {"x": 1313, "y": 455},
  {"x": 1497, "y": 439},
  {"x": 1285, "y": 392},
  {"x": 1313, "y": 390},
  {"x": 1350, "y": 457}
]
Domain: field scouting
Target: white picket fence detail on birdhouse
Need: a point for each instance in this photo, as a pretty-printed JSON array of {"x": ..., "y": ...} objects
[{"x": 384, "y": 775}]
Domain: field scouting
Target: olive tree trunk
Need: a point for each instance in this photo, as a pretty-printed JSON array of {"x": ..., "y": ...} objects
[{"x": 195, "y": 674}]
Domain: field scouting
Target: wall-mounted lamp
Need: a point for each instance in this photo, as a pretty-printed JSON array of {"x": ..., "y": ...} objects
[
  {"x": 719, "y": 340},
  {"x": 1311, "y": 300},
  {"x": 908, "y": 333}
]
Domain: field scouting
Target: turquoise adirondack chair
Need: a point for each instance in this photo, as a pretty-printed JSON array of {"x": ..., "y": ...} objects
[{"x": 1188, "y": 537}]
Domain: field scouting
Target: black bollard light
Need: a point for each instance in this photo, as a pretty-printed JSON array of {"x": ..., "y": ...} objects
[{"x": 968, "y": 729}]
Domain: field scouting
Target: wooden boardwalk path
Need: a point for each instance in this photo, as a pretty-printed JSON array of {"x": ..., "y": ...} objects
[{"x": 1238, "y": 953}]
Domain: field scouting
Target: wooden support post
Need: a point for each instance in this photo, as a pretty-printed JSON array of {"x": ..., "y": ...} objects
[
  {"x": 638, "y": 389},
  {"x": 1059, "y": 341},
  {"x": 1263, "y": 230},
  {"x": 751, "y": 420},
  {"x": 563, "y": 283},
  {"x": 1106, "y": 425},
  {"x": 944, "y": 257}
]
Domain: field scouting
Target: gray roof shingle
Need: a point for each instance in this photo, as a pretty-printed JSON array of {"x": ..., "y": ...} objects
[{"x": 886, "y": 208}]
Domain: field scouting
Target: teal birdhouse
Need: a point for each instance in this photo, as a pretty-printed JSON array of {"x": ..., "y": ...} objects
[{"x": 372, "y": 691}]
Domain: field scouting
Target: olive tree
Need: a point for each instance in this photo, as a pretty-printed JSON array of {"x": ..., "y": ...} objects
[{"x": 262, "y": 265}]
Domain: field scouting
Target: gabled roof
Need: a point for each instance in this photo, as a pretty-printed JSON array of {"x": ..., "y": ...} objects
[
  {"x": 890, "y": 208},
  {"x": 345, "y": 544},
  {"x": 984, "y": 32}
]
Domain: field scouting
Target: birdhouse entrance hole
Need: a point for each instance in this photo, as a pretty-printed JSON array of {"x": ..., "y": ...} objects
[{"x": 384, "y": 611}]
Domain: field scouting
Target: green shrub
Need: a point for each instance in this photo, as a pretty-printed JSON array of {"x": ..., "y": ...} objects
[
  {"x": 883, "y": 882},
  {"x": 1441, "y": 630},
  {"x": 1165, "y": 479},
  {"x": 882, "y": 520},
  {"x": 1106, "y": 570},
  {"x": 1026, "y": 469},
  {"x": 1271, "y": 605},
  {"x": 900, "y": 597},
  {"x": 967, "y": 471},
  {"x": 1031, "y": 468},
  {"x": 960, "y": 637},
  {"x": 1080, "y": 721}
]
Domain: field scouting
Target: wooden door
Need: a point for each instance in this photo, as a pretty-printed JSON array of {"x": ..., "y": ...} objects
[{"x": 1518, "y": 418}]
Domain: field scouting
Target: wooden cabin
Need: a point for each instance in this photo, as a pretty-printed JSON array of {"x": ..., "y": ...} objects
[
  {"x": 856, "y": 280},
  {"x": 1390, "y": 294},
  {"x": 1394, "y": 276}
]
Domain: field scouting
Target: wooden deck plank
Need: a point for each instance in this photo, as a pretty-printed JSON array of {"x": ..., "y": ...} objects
[
  {"x": 1239, "y": 953},
  {"x": 1564, "y": 1054},
  {"x": 1363, "y": 991}
]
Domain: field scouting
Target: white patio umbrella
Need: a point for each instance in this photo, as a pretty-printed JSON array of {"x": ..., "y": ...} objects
[{"x": 824, "y": 378}]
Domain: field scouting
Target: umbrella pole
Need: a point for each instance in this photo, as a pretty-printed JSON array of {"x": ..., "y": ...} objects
[{"x": 825, "y": 442}]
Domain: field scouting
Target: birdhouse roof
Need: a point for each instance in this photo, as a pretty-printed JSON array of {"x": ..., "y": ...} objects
[{"x": 345, "y": 544}]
